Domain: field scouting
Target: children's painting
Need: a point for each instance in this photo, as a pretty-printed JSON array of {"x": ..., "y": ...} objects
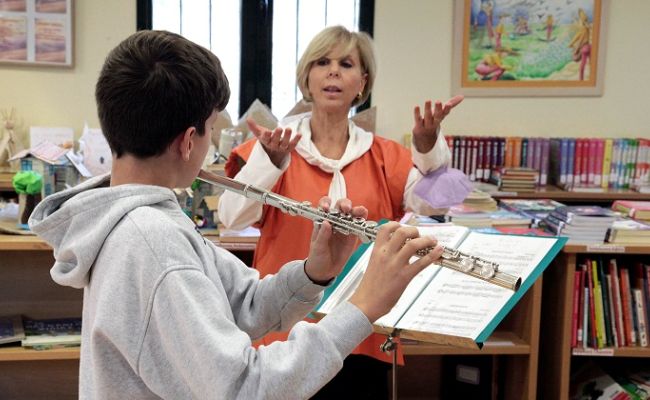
[{"x": 529, "y": 47}]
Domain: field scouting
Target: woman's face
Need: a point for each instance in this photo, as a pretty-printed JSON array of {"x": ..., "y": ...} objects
[{"x": 336, "y": 79}]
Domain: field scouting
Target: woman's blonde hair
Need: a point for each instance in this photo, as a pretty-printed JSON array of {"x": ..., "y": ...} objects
[{"x": 328, "y": 39}]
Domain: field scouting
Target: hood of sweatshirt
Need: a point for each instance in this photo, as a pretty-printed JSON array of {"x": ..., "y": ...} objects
[{"x": 77, "y": 221}]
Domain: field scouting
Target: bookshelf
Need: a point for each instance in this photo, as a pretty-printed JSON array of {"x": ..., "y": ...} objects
[
  {"x": 557, "y": 356},
  {"x": 583, "y": 195},
  {"x": 26, "y": 288},
  {"x": 514, "y": 347}
]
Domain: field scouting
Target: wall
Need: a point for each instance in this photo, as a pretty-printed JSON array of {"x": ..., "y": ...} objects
[
  {"x": 414, "y": 42},
  {"x": 53, "y": 96}
]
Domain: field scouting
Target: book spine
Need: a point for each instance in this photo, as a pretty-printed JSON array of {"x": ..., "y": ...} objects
[
  {"x": 577, "y": 167},
  {"x": 591, "y": 168},
  {"x": 604, "y": 286},
  {"x": 626, "y": 297},
  {"x": 524, "y": 152},
  {"x": 479, "y": 159},
  {"x": 456, "y": 154},
  {"x": 581, "y": 306},
  {"x": 570, "y": 162},
  {"x": 564, "y": 160},
  {"x": 601, "y": 339},
  {"x": 598, "y": 167},
  {"x": 618, "y": 310},
  {"x": 546, "y": 143},
  {"x": 612, "y": 313},
  {"x": 584, "y": 168},
  {"x": 607, "y": 163},
  {"x": 487, "y": 165},
  {"x": 509, "y": 152},
  {"x": 640, "y": 316},
  {"x": 516, "y": 157},
  {"x": 474, "y": 165},
  {"x": 644, "y": 150},
  {"x": 593, "y": 341},
  {"x": 576, "y": 308}
]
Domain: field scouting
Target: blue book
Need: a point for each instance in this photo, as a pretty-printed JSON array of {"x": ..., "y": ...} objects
[
  {"x": 445, "y": 306},
  {"x": 571, "y": 153}
]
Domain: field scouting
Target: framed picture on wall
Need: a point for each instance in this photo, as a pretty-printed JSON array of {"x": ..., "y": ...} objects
[
  {"x": 529, "y": 48},
  {"x": 36, "y": 32}
]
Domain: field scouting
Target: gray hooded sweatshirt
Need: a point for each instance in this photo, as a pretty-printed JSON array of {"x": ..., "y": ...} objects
[{"x": 167, "y": 314}]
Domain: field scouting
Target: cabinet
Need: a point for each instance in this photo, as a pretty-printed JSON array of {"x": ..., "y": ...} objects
[
  {"x": 26, "y": 288},
  {"x": 557, "y": 356},
  {"x": 513, "y": 349}
]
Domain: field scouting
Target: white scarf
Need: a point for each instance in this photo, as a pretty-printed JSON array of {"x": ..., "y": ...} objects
[{"x": 358, "y": 144}]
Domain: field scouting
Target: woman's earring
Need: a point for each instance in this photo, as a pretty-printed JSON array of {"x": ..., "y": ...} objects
[{"x": 360, "y": 95}]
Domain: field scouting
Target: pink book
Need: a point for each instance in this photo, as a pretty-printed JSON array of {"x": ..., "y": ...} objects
[{"x": 598, "y": 166}]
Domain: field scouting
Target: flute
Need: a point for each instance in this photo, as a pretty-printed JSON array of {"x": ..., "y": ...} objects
[{"x": 365, "y": 230}]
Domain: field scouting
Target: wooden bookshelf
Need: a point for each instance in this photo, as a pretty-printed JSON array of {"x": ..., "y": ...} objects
[
  {"x": 514, "y": 346},
  {"x": 556, "y": 354},
  {"x": 566, "y": 196},
  {"x": 26, "y": 288}
]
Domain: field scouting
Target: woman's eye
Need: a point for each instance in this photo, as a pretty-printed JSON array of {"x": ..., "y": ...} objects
[
  {"x": 346, "y": 64},
  {"x": 322, "y": 61}
]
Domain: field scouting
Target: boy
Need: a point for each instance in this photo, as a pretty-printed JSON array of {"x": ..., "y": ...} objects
[{"x": 166, "y": 313}]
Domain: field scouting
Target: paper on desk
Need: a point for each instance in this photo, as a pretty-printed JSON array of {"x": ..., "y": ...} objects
[{"x": 96, "y": 153}]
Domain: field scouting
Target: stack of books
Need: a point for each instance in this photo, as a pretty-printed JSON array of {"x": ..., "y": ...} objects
[
  {"x": 536, "y": 209},
  {"x": 41, "y": 334},
  {"x": 480, "y": 201},
  {"x": 638, "y": 210},
  {"x": 581, "y": 224},
  {"x": 629, "y": 232},
  {"x": 518, "y": 180},
  {"x": 500, "y": 217}
]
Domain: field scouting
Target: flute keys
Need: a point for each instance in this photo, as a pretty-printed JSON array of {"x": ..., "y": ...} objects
[
  {"x": 466, "y": 264},
  {"x": 487, "y": 271}
]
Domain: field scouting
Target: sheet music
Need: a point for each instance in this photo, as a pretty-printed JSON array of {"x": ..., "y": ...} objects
[
  {"x": 459, "y": 305},
  {"x": 447, "y": 235}
]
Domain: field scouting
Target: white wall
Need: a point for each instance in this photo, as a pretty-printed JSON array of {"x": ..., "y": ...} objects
[{"x": 414, "y": 42}]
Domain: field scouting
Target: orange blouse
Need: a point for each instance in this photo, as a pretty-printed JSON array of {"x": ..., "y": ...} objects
[{"x": 376, "y": 180}]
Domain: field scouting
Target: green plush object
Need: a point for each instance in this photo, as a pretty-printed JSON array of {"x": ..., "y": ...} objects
[{"x": 28, "y": 182}]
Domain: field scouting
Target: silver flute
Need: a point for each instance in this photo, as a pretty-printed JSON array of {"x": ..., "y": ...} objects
[{"x": 365, "y": 230}]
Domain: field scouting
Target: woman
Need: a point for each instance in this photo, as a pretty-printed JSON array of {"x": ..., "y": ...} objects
[{"x": 327, "y": 154}]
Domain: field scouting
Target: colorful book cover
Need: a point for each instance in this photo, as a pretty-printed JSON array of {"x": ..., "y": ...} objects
[
  {"x": 618, "y": 302},
  {"x": 607, "y": 162},
  {"x": 601, "y": 338}
]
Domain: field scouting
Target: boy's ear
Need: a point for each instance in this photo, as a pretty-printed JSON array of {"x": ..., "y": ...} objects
[{"x": 186, "y": 143}]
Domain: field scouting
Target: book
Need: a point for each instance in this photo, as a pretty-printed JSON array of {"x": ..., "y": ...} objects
[
  {"x": 633, "y": 209},
  {"x": 591, "y": 382},
  {"x": 52, "y": 333},
  {"x": 11, "y": 329},
  {"x": 443, "y": 306}
]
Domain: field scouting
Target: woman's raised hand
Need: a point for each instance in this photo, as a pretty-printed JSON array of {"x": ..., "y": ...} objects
[
  {"x": 425, "y": 130},
  {"x": 277, "y": 143}
]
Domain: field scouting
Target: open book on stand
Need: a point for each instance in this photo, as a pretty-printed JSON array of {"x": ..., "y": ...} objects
[{"x": 443, "y": 306}]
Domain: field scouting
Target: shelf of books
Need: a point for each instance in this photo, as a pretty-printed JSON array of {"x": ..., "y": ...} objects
[
  {"x": 15, "y": 353},
  {"x": 596, "y": 308},
  {"x": 29, "y": 298}
]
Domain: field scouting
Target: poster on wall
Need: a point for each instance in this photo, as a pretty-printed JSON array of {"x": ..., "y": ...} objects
[
  {"x": 36, "y": 32},
  {"x": 524, "y": 48}
]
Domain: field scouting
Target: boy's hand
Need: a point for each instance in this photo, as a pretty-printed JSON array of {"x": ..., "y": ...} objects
[
  {"x": 329, "y": 251},
  {"x": 389, "y": 271}
]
